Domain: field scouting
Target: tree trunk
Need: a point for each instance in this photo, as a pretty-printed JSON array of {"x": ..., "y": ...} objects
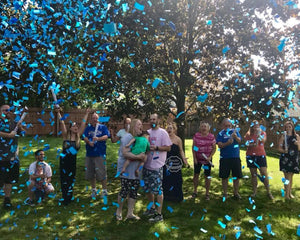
[{"x": 180, "y": 121}]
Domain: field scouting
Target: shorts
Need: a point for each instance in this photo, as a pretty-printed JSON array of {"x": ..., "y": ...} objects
[
  {"x": 153, "y": 181},
  {"x": 9, "y": 172},
  {"x": 95, "y": 167},
  {"x": 129, "y": 186},
  {"x": 256, "y": 161},
  {"x": 230, "y": 164},
  {"x": 206, "y": 167}
]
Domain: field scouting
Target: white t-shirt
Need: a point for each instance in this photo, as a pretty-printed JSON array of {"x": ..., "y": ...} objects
[{"x": 46, "y": 167}]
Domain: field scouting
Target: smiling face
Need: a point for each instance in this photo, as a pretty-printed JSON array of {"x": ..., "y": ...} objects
[
  {"x": 138, "y": 128},
  {"x": 94, "y": 119},
  {"x": 40, "y": 156},
  {"x": 226, "y": 124},
  {"x": 74, "y": 128},
  {"x": 170, "y": 129},
  {"x": 5, "y": 111},
  {"x": 288, "y": 127},
  {"x": 204, "y": 128},
  {"x": 154, "y": 120}
]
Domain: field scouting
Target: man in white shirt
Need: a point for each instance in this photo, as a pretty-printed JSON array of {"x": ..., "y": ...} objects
[{"x": 39, "y": 179}]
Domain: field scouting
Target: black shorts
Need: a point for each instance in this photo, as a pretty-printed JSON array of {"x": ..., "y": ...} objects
[
  {"x": 9, "y": 172},
  {"x": 206, "y": 167},
  {"x": 230, "y": 164},
  {"x": 256, "y": 161},
  {"x": 129, "y": 187}
]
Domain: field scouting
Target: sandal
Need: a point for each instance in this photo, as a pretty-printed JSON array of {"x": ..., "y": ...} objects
[
  {"x": 133, "y": 217},
  {"x": 118, "y": 217},
  {"x": 194, "y": 195}
]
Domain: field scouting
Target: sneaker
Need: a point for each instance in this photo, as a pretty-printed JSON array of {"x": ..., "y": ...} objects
[
  {"x": 237, "y": 196},
  {"x": 94, "y": 194},
  {"x": 7, "y": 203},
  {"x": 150, "y": 212},
  {"x": 29, "y": 202},
  {"x": 156, "y": 218}
]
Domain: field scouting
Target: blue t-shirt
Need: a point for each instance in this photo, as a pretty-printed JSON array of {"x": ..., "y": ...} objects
[
  {"x": 232, "y": 150},
  {"x": 99, "y": 148}
]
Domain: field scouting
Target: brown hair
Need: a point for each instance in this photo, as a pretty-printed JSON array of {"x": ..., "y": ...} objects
[
  {"x": 77, "y": 136},
  {"x": 293, "y": 126}
]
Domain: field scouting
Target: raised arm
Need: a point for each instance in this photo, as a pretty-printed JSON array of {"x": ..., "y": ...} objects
[
  {"x": 113, "y": 136},
  {"x": 63, "y": 125},
  {"x": 84, "y": 121}
]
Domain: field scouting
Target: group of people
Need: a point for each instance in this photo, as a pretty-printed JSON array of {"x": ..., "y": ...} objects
[
  {"x": 150, "y": 159},
  {"x": 228, "y": 141}
]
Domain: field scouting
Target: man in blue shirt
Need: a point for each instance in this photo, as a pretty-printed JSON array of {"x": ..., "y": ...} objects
[
  {"x": 95, "y": 136},
  {"x": 228, "y": 141}
]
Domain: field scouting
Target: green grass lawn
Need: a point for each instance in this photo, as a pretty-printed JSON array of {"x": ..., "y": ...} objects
[{"x": 191, "y": 219}]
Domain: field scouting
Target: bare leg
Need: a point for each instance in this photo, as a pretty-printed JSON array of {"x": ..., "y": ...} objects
[
  {"x": 287, "y": 186},
  {"x": 253, "y": 172},
  {"x": 120, "y": 208},
  {"x": 125, "y": 165},
  {"x": 236, "y": 184},
  {"x": 207, "y": 185},
  {"x": 30, "y": 192},
  {"x": 131, "y": 204},
  {"x": 196, "y": 182},
  {"x": 150, "y": 197},
  {"x": 225, "y": 186},
  {"x": 7, "y": 189},
  {"x": 160, "y": 199}
]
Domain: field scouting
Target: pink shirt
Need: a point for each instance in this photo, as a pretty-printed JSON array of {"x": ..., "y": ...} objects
[
  {"x": 258, "y": 150},
  {"x": 156, "y": 159},
  {"x": 203, "y": 145}
]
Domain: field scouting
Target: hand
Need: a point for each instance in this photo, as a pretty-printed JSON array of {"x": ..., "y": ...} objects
[
  {"x": 12, "y": 134},
  {"x": 95, "y": 139},
  {"x": 152, "y": 147},
  {"x": 88, "y": 110},
  {"x": 230, "y": 141},
  {"x": 234, "y": 135}
]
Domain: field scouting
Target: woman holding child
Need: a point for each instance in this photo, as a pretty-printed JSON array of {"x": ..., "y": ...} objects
[{"x": 130, "y": 182}]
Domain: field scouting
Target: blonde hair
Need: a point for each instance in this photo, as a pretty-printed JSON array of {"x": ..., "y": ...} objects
[
  {"x": 132, "y": 126},
  {"x": 206, "y": 123},
  {"x": 173, "y": 124}
]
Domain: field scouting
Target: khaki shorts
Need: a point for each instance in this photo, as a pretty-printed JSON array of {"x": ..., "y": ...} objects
[{"x": 95, "y": 167}]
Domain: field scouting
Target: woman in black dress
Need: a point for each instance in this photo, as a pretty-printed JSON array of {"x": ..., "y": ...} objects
[
  {"x": 289, "y": 146},
  {"x": 67, "y": 164},
  {"x": 172, "y": 177}
]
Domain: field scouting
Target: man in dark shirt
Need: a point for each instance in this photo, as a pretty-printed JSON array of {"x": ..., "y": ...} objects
[{"x": 9, "y": 161}]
